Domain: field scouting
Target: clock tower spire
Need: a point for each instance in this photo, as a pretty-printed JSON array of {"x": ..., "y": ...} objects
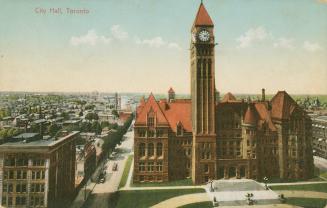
[{"x": 203, "y": 97}]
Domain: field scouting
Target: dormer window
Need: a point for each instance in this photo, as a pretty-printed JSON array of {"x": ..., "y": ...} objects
[
  {"x": 179, "y": 129},
  {"x": 150, "y": 119}
]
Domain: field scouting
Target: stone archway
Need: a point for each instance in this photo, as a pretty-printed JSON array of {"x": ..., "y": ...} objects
[{"x": 232, "y": 172}]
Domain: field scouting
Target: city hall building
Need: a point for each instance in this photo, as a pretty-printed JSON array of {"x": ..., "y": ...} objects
[{"x": 205, "y": 139}]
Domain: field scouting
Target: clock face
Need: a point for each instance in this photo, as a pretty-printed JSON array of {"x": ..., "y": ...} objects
[{"x": 204, "y": 35}]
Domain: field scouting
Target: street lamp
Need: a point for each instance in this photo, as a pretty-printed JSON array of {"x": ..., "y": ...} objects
[
  {"x": 211, "y": 187},
  {"x": 249, "y": 199},
  {"x": 265, "y": 179}
]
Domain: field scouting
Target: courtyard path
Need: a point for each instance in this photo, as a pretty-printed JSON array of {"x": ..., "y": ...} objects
[
  {"x": 183, "y": 200},
  {"x": 203, "y": 197},
  {"x": 303, "y": 194}
]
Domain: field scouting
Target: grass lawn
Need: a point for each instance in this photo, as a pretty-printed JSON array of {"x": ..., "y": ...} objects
[
  {"x": 207, "y": 204},
  {"x": 307, "y": 202},
  {"x": 148, "y": 198},
  {"x": 321, "y": 187},
  {"x": 126, "y": 171},
  {"x": 324, "y": 174},
  {"x": 183, "y": 182}
]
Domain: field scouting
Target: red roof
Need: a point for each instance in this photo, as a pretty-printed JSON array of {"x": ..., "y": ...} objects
[
  {"x": 172, "y": 113},
  {"x": 202, "y": 17},
  {"x": 250, "y": 116},
  {"x": 264, "y": 115},
  {"x": 179, "y": 111},
  {"x": 282, "y": 105},
  {"x": 151, "y": 103},
  {"x": 229, "y": 97}
]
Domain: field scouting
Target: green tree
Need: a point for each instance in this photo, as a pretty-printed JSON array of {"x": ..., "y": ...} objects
[
  {"x": 105, "y": 124},
  {"x": 53, "y": 129},
  {"x": 115, "y": 113},
  {"x": 96, "y": 127},
  {"x": 92, "y": 116}
]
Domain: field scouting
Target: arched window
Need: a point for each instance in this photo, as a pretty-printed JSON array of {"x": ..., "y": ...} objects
[
  {"x": 150, "y": 149},
  {"x": 159, "y": 149},
  {"x": 142, "y": 149}
]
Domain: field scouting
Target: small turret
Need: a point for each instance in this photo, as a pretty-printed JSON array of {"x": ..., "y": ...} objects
[
  {"x": 250, "y": 117},
  {"x": 171, "y": 94}
]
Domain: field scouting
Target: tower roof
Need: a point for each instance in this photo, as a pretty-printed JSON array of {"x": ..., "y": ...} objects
[
  {"x": 250, "y": 116},
  {"x": 171, "y": 90},
  {"x": 282, "y": 105},
  {"x": 229, "y": 97},
  {"x": 202, "y": 17}
]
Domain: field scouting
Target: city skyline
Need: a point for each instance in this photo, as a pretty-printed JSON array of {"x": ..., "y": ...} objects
[{"x": 135, "y": 46}]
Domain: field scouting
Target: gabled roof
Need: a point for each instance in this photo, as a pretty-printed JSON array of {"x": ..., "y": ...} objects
[
  {"x": 172, "y": 113},
  {"x": 151, "y": 103},
  {"x": 202, "y": 17},
  {"x": 179, "y": 112},
  {"x": 264, "y": 115},
  {"x": 229, "y": 97},
  {"x": 282, "y": 105}
]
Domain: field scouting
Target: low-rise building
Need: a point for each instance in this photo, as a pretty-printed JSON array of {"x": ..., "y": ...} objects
[
  {"x": 319, "y": 136},
  {"x": 37, "y": 172}
]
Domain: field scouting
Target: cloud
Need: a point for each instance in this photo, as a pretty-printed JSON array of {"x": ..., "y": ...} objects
[
  {"x": 284, "y": 43},
  {"x": 312, "y": 47},
  {"x": 251, "y": 36},
  {"x": 118, "y": 33},
  {"x": 157, "y": 42},
  {"x": 90, "y": 38}
]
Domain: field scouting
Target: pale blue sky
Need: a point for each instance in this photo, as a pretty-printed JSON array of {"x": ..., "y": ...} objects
[{"x": 142, "y": 45}]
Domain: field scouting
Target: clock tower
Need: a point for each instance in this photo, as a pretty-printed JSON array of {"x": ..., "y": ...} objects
[{"x": 203, "y": 97}]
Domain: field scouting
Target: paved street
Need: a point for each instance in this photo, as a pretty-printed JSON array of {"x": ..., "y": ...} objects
[
  {"x": 103, "y": 191},
  {"x": 321, "y": 163}
]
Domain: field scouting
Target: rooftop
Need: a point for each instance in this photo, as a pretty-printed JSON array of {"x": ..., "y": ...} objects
[{"x": 35, "y": 143}]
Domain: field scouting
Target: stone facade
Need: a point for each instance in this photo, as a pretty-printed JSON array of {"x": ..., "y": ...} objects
[{"x": 205, "y": 139}]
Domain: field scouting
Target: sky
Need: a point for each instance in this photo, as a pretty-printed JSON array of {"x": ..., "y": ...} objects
[{"x": 143, "y": 45}]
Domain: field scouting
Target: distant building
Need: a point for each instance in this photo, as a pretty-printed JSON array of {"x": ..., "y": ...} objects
[
  {"x": 319, "y": 136},
  {"x": 37, "y": 172}
]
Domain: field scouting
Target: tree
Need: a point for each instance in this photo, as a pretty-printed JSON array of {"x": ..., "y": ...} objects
[
  {"x": 105, "y": 124},
  {"x": 65, "y": 115},
  {"x": 86, "y": 127},
  {"x": 53, "y": 129},
  {"x": 92, "y": 116},
  {"x": 96, "y": 127},
  {"x": 115, "y": 113}
]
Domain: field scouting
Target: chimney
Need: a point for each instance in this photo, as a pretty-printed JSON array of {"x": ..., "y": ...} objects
[
  {"x": 263, "y": 94},
  {"x": 171, "y": 94}
]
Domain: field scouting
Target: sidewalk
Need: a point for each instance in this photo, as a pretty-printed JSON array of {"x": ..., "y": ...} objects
[{"x": 83, "y": 194}]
